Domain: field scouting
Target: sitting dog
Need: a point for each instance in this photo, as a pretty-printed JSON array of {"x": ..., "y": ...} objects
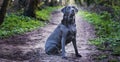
[{"x": 63, "y": 34}]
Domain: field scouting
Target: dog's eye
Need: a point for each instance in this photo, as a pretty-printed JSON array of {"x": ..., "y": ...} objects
[
  {"x": 68, "y": 7},
  {"x": 73, "y": 6}
]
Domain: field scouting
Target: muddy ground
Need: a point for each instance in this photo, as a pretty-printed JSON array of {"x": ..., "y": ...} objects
[{"x": 29, "y": 47}]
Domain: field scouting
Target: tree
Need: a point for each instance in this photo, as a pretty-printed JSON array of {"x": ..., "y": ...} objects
[
  {"x": 30, "y": 8},
  {"x": 46, "y": 2},
  {"x": 3, "y": 10},
  {"x": 60, "y": 2}
]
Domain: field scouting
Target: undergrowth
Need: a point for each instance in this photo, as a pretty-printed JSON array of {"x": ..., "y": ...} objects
[
  {"x": 44, "y": 14},
  {"x": 16, "y": 23},
  {"x": 107, "y": 31}
]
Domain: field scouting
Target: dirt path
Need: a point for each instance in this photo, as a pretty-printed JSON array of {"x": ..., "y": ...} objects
[{"x": 30, "y": 45}]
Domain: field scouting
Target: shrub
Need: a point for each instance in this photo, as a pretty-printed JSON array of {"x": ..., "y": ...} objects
[
  {"x": 107, "y": 31},
  {"x": 15, "y": 24},
  {"x": 45, "y": 13}
]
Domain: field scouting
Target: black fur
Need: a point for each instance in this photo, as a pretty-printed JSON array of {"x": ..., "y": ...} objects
[{"x": 63, "y": 34}]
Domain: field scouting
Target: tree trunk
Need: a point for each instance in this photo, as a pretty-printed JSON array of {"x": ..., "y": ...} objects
[
  {"x": 52, "y": 3},
  {"x": 30, "y": 9},
  {"x": 46, "y": 2},
  {"x": 3, "y": 10},
  {"x": 60, "y": 2}
]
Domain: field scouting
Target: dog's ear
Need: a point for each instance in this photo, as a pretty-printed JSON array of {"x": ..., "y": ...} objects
[
  {"x": 63, "y": 9},
  {"x": 76, "y": 10}
]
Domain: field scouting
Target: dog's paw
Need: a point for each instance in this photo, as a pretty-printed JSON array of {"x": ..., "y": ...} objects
[
  {"x": 78, "y": 55},
  {"x": 64, "y": 57}
]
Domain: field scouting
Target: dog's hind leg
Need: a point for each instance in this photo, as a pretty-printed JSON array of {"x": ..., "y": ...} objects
[{"x": 52, "y": 50}]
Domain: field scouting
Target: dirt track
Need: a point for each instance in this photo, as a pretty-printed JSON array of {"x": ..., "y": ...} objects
[{"x": 29, "y": 47}]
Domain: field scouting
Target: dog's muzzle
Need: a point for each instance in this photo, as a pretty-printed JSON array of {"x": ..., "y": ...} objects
[{"x": 71, "y": 13}]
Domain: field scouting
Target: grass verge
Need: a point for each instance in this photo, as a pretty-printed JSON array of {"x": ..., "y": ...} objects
[
  {"x": 15, "y": 24},
  {"x": 18, "y": 24},
  {"x": 44, "y": 14},
  {"x": 107, "y": 31}
]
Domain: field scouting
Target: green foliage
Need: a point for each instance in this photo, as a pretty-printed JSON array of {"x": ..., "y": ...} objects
[
  {"x": 15, "y": 24},
  {"x": 107, "y": 31},
  {"x": 111, "y": 6},
  {"x": 44, "y": 14},
  {"x": 100, "y": 57},
  {"x": 116, "y": 12}
]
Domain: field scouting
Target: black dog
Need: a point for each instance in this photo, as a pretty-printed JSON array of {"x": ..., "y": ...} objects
[{"x": 63, "y": 34}]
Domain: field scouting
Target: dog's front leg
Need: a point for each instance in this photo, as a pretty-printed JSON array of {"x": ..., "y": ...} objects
[
  {"x": 75, "y": 47},
  {"x": 63, "y": 45}
]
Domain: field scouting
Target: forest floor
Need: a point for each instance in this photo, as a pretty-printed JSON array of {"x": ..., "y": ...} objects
[{"x": 29, "y": 47}]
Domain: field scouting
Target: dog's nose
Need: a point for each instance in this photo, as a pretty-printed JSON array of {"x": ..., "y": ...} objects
[{"x": 73, "y": 11}]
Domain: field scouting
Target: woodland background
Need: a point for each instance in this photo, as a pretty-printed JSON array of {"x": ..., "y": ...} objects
[{"x": 21, "y": 16}]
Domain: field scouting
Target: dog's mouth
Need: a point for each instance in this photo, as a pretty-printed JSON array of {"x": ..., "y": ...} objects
[
  {"x": 69, "y": 16},
  {"x": 73, "y": 14}
]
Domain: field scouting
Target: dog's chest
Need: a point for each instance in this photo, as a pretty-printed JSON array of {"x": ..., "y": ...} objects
[{"x": 71, "y": 31}]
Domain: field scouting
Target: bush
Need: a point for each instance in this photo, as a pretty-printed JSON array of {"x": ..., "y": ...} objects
[
  {"x": 15, "y": 24},
  {"x": 116, "y": 16},
  {"x": 45, "y": 13},
  {"x": 107, "y": 31}
]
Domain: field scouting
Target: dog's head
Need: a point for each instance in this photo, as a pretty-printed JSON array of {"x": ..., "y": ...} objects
[{"x": 69, "y": 10}]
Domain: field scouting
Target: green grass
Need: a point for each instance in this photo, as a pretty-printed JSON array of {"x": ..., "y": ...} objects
[
  {"x": 107, "y": 31},
  {"x": 44, "y": 14},
  {"x": 15, "y": 23}
]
